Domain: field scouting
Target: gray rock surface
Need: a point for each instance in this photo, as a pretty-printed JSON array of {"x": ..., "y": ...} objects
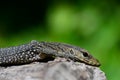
[{"x": 52, "y": 70}]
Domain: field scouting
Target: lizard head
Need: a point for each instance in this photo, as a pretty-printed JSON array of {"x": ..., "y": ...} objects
[{"x": 82, "y": 55}]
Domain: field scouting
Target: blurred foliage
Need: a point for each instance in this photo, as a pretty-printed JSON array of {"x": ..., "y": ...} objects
[{"x": 93, "y": 25}]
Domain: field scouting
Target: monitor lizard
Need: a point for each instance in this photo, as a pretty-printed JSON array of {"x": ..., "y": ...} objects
[{"x": 37, "y": 51}]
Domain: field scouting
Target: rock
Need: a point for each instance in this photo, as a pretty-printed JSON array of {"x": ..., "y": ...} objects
[{"x": 52, "y": 70}]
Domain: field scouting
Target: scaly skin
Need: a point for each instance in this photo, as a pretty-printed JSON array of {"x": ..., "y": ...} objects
[{"x": 37, "y": 51}]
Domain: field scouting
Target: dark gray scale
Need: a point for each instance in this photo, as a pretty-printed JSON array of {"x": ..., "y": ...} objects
[
  {"x": 34, "y": 51},
  {"x": 57, "y": 49},
  {"x": 60, "y": 46},
  {"x": 21, "y": 54},
  {"x": 13, "y": 50}
]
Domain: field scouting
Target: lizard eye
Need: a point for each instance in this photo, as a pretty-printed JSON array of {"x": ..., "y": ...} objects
[{"x": 85, "y": 54}]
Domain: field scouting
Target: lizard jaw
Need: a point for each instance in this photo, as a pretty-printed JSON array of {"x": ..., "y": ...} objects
[{"x": 93, "y": 61}]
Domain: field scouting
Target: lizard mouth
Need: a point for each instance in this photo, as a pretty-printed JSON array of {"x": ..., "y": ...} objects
[{"x": 94, "y": 62}]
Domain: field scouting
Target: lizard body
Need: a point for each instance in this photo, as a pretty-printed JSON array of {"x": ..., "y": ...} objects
[{"x": 36, "y": 51}]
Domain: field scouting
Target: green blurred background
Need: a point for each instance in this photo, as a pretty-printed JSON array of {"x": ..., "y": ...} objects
[{"x": 93, "y": 25}]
